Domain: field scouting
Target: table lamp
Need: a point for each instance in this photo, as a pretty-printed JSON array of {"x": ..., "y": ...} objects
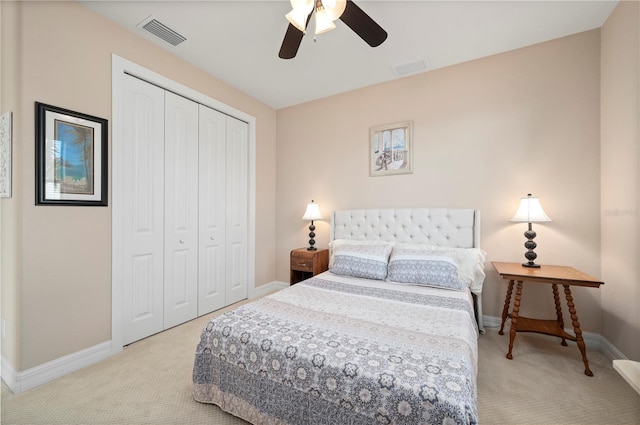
[
  {"x": 312, "y": 213},
  {"x": 530, "y": 211}
]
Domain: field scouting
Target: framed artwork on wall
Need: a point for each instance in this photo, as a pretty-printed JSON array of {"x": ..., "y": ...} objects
[
  {"x": 71, "y": 157},
  {"x": 390, "y": 149}
]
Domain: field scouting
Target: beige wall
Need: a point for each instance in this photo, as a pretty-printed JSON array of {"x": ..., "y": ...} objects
[
  {"x": 486, "y": 133},
  {"x": 61, "y": 273},
  {"x": 620, "y": 179},
  {"x": 10, "y": 215}
]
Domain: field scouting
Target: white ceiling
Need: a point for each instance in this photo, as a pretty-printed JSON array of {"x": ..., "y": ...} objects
[{"x": 238, "y": 41}]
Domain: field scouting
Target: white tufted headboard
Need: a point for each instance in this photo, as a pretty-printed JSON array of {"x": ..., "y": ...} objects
[{"x": 458, "y": 228}]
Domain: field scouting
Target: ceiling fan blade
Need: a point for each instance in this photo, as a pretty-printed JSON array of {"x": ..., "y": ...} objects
[
  {"x": 362, "y": 24},
  {"x": 292, "y": 40},
  {"x": 291, "y": 43}
]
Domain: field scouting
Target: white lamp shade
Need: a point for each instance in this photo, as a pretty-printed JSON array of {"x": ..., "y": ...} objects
[
  {"x": 334, "y": 8},
  {"x": 323, "y": 22},
  {"x": 530, "y": 211},
  {"x": 298, "y": 18},
  {"x": 312, "y": 212}
]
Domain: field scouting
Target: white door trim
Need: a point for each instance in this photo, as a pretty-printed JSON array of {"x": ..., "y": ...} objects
[{"x": 120, "y": 67}]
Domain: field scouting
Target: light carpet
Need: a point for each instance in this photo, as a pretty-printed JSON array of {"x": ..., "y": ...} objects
[{"x": 150, "y": 383}]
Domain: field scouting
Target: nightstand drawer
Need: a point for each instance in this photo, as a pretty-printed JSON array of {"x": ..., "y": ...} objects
[{"x": 303, "y": 263}]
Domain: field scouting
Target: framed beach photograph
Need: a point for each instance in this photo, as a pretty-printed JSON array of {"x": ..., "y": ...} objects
[
  {"x": 390, "y": 149},
  {"x": 71, "y": 157}
]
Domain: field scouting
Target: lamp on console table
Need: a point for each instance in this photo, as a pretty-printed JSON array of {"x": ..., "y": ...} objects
[
  {"x": 530, "y": 211},
  {"x": 312, "y": 213}
]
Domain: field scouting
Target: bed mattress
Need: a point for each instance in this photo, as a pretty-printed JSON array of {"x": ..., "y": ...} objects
[{"x": 341, "y": 350}]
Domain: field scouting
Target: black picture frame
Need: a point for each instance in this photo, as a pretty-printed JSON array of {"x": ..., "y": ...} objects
[{"x": 71, "y": 156}]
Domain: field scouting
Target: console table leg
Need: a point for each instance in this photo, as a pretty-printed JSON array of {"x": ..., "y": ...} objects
[
  {"x": 505, "y": 310},
  {"x": 514, "y": 318},
  {"x": 556, "y": 297},
  {"x": 577, "y": 330}
]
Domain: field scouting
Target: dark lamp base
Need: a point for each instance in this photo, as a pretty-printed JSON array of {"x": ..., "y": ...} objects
[
  {"x": 312, "y": 235},
  {"x": 530, "y": 245}
]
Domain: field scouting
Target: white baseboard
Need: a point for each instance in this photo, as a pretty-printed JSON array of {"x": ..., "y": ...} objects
[
  {"x": 19, "y": 382},
  {"x": 610, "y": 351},
  {"x": 267, "y": 289},
  {"x": 593, "y": 341},
  {"x": 491, "y": 321}
]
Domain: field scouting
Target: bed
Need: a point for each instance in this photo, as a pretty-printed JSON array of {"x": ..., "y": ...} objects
[{"x": 387, "y": 335}]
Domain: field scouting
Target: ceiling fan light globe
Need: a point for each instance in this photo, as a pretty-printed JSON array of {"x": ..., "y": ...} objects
[
  {"x": 323, "y": 23},
  {"x": 305, "y": 5},
  {"x": 334, "y": 8},
  {"x": 298, "y": 18}
]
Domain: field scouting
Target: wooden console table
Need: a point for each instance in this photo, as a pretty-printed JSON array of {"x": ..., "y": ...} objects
[{"x": 553, "y": 275}]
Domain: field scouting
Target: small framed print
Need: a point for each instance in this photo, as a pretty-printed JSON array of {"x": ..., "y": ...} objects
[
  {"x": 71, "y": 157},
  {"x": 390, "y": 149}
]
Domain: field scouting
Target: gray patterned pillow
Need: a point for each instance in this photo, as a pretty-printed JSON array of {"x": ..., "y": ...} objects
[
  {"x": 427, "y": 266},
  {"x": 367, "y": 260}
]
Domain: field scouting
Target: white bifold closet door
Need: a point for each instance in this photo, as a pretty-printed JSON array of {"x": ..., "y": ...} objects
[
  {"x": 224, "y": 152},
  {"x": 142, "y": 210},
  {"x": 185, "y": 214},
  {"x": 212, "y": 245},
  {"x": 237, "y": 216},
  {"x": 180, "y": 210}
]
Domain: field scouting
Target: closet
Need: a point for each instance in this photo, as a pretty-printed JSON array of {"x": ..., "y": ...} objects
[{"x": 184, "y": 209}]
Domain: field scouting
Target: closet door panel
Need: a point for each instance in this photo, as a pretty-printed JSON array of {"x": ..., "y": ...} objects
[
  {"x": 236, "y": 196},
  {"x": 181, "y": 210},
  {"x": 212, "y": 218},
  {"x": 143, "y": 209}
]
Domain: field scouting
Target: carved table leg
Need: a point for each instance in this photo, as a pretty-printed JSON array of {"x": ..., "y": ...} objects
[
  {"x": 505, "y": 310},
  {"x": 514, "y": 318},
  {"x": 556, "y": 297},
  {"x": 577, "y": 330}
]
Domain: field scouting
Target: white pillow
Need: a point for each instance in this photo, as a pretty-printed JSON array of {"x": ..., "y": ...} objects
[
  {"x": 365, "y": 259},
  {"x": 448, "y": 267}
]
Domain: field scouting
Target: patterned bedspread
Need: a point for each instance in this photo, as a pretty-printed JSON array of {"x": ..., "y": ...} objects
[{"x": 337, "y": 350}]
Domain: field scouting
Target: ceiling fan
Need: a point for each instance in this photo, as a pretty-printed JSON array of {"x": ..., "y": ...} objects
[{"x": 326, "y": 12}]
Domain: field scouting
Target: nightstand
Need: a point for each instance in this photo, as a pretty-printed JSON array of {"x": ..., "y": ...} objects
[
  {"x": 307, "y": 263},
  {"x": 516, "y": 274}
]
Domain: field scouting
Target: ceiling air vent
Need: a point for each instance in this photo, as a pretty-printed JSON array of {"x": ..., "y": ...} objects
[
  {"x": 159, "y": 29},
  {"x": 411, "y": 67}
]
